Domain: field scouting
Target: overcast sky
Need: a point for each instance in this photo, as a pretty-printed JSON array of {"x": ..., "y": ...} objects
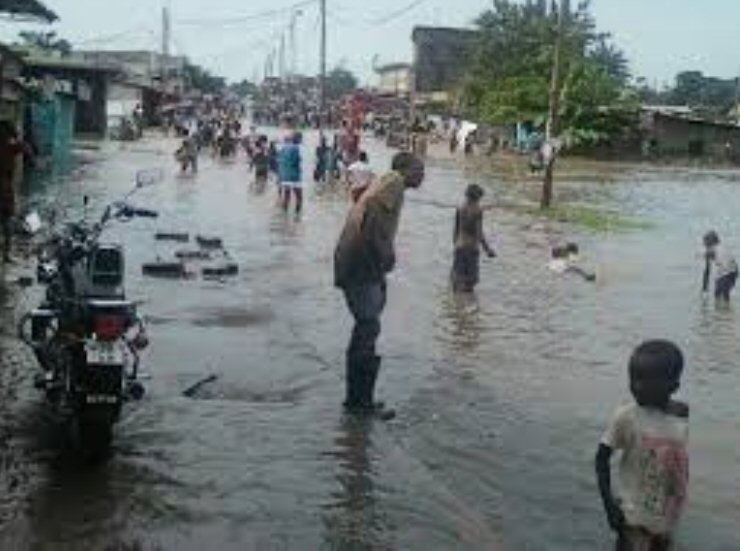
[{"x": 661, "y": 37}]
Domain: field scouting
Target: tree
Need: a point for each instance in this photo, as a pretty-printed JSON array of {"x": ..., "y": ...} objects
[
  {"x": 713, "y": 97},
  {"x": 611, "y": 59},
  {"x": 533, "y": 64},
  {"x": 198, "y": 78},
  {"x": 509, "y": 78},
  {"x": 243, "y": 88},
  {"x": 47, "y": 42},
  {"x": 339, "y": 82}
]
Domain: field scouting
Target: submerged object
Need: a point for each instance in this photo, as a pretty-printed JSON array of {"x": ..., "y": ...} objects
[
  {"x": 164, "y": 269},
  {"x": 182, "y": 237},
  {"x": 208, "y": 242},
  {"x": 192, "y": 390},
  {"x": 223, "y": 270},
  {"x": 193, "y": 255}
]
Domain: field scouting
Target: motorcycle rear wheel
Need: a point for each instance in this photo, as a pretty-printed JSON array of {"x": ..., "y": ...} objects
[{"x": 94, "y": 438}]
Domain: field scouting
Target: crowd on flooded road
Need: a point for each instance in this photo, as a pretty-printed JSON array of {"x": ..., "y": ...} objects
[{"x": 650, "y": 435}]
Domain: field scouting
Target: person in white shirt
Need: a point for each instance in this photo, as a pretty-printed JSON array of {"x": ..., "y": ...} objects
[
  {"x": 565, "y": 260},
  {"x": 725, "y": 267},
  {"x": 360, "y": 176},
  {"x": 652, "y": 435}
]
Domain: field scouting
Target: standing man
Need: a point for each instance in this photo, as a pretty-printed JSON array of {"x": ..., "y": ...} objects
[
  {"x": 10, "y": 148},
  {"x": 364, "y": 255}
]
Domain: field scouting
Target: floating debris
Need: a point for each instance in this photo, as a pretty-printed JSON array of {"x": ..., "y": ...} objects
[
  {"x": 210, "y": 242},
  {"x": 224, "y": 270},
  {"x": 172, "y": 236},
  {"x": 164, "y": 269},
  {"x": 193, "y": 255},
  {"x": 192, "y": 390}
]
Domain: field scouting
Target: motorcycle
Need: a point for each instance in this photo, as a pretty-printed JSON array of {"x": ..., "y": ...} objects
[{"x": 86, "y": 336}]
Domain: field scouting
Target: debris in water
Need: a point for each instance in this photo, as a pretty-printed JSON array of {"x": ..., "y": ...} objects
[
  {"x": 172, "y": 236},
  {"x": 192, "y": 390},
  {"x": 225, "y": 270},
  {"x": 164, "y": 269},
  {"x": 210, "y": 242},
  {"x": 193, "y": 255}
]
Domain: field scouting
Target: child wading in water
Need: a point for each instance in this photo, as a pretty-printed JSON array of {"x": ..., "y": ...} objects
[
  {"x": 261, "y": 162},
  {"x": 725, "y": 268},
  {"x": 468, "y": 239},
  {"x": 652, "y": 436}
]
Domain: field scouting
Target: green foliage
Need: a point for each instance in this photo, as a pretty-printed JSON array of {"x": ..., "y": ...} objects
[
  {"x": 46, "y": 42},
  {"x": 510, "y": 73},
  {"x": 340, "y": 82},
  {"x": 592, "y": 218},
  {"x": 711, "y": 97},
  {"x": 198, "y": 78},
  {"x": 243, "y": 88}
]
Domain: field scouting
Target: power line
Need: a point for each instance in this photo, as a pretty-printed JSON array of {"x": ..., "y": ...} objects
[
  {"x": 234, "y": 20},
  {"x": 386, "y": 18},
  {"x": 115, "y": 36}
]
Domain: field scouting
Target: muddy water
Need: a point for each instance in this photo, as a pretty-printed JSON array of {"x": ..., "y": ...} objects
[{"x": 502, "y": 396}]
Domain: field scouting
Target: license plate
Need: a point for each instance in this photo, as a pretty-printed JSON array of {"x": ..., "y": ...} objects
[{"x": 104, "y": 353}]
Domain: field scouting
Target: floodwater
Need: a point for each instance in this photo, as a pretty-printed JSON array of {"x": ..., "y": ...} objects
[{"x": 502, "y": 397}]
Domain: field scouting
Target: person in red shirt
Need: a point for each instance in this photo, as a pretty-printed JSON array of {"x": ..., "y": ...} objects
[{"x": 10, "y": 148}]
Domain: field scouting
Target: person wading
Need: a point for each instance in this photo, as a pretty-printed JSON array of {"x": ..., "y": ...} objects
[{"x": 364, "y": 255}]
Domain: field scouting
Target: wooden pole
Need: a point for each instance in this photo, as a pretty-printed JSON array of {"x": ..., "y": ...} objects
[
  {"x": 553, "y": 119},
  {"x": 322, "y": 83}
]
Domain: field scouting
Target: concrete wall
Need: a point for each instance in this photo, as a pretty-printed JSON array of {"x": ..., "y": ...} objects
[
  {"x": 671, "y": 136},
  {"x": 395, "y": 81},
  {"x": 122, "y": 99}
]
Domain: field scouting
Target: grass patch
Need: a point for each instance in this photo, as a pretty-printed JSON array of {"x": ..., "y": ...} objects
[{"x": 595, "y": 219}]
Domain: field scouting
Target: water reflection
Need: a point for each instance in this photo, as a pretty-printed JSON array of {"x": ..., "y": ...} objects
[
  {"x": 352, "y": 518},
  {"x": 462, "y": 314}
]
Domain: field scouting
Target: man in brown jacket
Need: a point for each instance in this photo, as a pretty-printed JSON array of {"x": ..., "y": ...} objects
[{"x": 364, "y": 255}]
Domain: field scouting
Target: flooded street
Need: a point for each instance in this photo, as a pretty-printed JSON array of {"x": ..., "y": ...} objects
[{"x": 501, "y": 397}]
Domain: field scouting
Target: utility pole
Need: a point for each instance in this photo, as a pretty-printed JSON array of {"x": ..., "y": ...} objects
[
  {"x": 553, "y": 119},
  {"x": 166, "y": 29},
  {"x": 281, "y": 60},
  {"x": 322, "y": 77},
  {"x": 293, "y": 46}
]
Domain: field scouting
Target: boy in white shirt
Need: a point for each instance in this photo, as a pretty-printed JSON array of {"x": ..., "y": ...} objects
[
  {"x": 725, "y": 267},
  {"x": 360, "y": 176},
  {"x": 652, "y": 436}
]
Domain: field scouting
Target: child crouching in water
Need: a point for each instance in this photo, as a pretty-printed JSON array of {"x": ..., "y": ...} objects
[
  {"x": 652, "y": 436},
  {"x": 565, "y": 260},
  {"x": 468, "y": 238}
]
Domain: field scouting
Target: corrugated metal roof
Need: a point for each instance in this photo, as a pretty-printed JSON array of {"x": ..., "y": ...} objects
[{"x": 28, "y": 8}]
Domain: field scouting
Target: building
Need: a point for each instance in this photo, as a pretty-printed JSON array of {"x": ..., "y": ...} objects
[
  {"x": 666, "y": 134},
  {"x": 439, "y": 65},
  {"x": 150, "y": 79},
  {"x": 12, "y": 97},
  {"x": 87, "y": 83},
  {"x": 394, "y": 79},
  {"x": 144, "y": 68},
  {"x": 11, "y": 88}
]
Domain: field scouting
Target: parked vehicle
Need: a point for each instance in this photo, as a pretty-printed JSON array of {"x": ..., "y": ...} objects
[{"x": 85, "y": 334}]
